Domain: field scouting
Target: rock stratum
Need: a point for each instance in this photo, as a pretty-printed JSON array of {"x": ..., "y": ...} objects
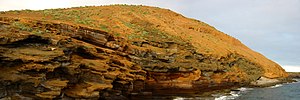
[{"x": 117, "y": 51}]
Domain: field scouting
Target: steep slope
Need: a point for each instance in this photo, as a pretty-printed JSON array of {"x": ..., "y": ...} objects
[{"x": 104, "y": 51}]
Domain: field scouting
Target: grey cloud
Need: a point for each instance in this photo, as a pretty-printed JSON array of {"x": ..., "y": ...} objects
[{"x": 270, "y": 27}]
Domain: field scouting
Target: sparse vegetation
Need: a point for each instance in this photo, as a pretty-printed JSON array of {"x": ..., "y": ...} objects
[
  {"x": 66, "y": 51},
  {"x": 104, "y": 27},
  {"x": 129, "y": 25},
  {"x": 21, "y": 26},
  {"x": 37, "y": 32},
  {"x": 117, "y": 34}
]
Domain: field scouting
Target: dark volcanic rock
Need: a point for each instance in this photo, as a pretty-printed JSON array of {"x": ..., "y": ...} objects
[{"x": 109, "y": 53}]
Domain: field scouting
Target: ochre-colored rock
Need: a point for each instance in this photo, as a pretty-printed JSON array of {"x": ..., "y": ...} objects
[
  {"x": 112, "y": 52},
  {"x": 179, "y": 79},
  {"x": 55, "y": 84},
  {"x": 87, "y": 90},
  {"x": 49, "y": 94}
]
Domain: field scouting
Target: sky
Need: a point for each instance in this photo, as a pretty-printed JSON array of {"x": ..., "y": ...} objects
[{"x": 270, "y": 27}]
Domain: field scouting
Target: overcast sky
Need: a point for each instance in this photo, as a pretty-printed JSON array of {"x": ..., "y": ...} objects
[{"x": 271, "y": 27}]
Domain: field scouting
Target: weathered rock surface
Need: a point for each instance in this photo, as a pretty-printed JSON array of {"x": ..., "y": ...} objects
[
  {"x": 294, "y": 74},
  {"x": 264, "y": 81},
  {"x": 111, "y": 53},
  {"x": 178, "y": 79}
]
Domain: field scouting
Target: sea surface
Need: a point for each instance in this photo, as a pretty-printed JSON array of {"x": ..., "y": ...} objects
[
  {"x": 286, "y": 91},
  {"x": 290, "y": 91}
]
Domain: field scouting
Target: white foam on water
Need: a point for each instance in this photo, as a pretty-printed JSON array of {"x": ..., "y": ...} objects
[
  {"x": 179, "y": 98},
  {"x": 297, "y": 80},
  {"x": 276, "y": 86},
  {"x": 194, "y": 98},
  {"x": 228, "y": 97},
  {"x": 244, "y": 89},
  {"x": 220, "y": 96},
  {"x": 233, "y": 94}
]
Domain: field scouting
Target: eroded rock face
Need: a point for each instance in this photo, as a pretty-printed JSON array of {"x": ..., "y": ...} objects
[
  {"x": 53, "y": 59},
  {"x": 264, "y": 81},
  {"x": 178, "y": 79},
  {"x": 52, "y": 66}
]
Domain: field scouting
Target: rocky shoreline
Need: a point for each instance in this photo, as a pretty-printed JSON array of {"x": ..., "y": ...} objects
[
  {"x": 152, "y": 91},
  {"x": 294, "y": 74},
  {"x": 47, "y": 56},
  {"x": 169, "y": 94},
  {"x": 148, "y": 93},
  {"x": 266, "y": 82}
]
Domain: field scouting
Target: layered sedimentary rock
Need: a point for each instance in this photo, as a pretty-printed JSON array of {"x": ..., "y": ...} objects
[{"x": 111, "y": 52}]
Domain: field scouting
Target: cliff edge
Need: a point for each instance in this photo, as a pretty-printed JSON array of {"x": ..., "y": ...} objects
[{"x": 113, "y": 51}]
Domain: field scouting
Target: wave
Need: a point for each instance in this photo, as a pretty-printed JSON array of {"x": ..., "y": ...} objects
[
  {"x": 297, "y": 79},
  {"x": 279, "y": 85},
  {"x": 220, "y": 96},
  {"x": 237, "y": 93},
  {"x": 233, "y": 94},
  {"x": 195, "y": 98},
  {"x": 276, "y": 86},
  {"x": 179, "y": 98}
]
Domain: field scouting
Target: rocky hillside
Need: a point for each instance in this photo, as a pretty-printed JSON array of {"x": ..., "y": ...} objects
[{"x": 117, "y": 51}]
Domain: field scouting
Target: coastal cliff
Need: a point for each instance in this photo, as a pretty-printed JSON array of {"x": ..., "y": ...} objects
[{"x": 116, "y": 51}]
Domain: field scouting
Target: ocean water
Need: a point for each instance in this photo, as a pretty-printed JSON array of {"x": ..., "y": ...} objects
[
  {"x": 287, "y": 91},
  {"x": 290, "y": 91}
]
